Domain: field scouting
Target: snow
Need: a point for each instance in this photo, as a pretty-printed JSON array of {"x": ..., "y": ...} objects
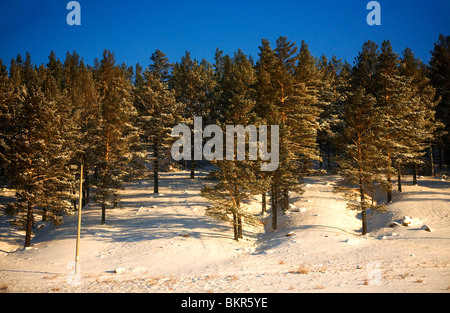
[{"x": 165, "y": 243}]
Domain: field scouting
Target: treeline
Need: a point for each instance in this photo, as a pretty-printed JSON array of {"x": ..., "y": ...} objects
[{"x": 368, "y": 121}]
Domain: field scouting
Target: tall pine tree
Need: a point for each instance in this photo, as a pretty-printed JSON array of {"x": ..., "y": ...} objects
[
  {"x": 419, "y": 124},
  {"x": 37, "y": 146},
  {"x": 439, "y": 75},
  {"x": 392, "y": 92},
  {"x": 193, "y": 83},
  {"x": 158, "y": 112},
  {"x": 237, "y": 179},
  {"x": 117, "y": 139}
]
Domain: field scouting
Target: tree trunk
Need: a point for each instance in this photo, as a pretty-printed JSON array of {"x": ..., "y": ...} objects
[
  {"x": 328, "y": 156},
  {"x": 286, "y": 199},
  {"x": 431, "y": 160},
  {"x": 29, "y": 225},
  {"x": 364, "y": 221},
  {"x": 363, "y": 207},
  {"x": 74, "y": 201},
  {"x": 192, "y": 169},
  {"x": 447, "y": 153},
  {"x": 85, "y": 186},
  {"x": 415, "y": 173},
  {"x": 274, "y": 208},
  {"x": 389, "y": 188},
  {"x": 155, "y": 169},
  {"x": 240, "y": 226},
  {"x": 263, "y": 202},
  {"x": 192, "y": 156},
  {"x": 361, "y": 189},
  {"x": 399, "y": 177},
  {"x": 235, "y": 227},
  {"x": 44, "y": 214},
  {"x": 103, "y": 213}
]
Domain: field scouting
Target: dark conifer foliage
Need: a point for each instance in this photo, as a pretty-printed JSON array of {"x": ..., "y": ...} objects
[
  {"x": 439, "y": 75},
  {"x": 287, "y": 91},
  {"x": 116, "y": 138},
  {"x": 37, "y": 145},
  {"x": 193, "y": 83},
  {"x": 158, "y": 112},
  {"x": 237, "y": 179}
]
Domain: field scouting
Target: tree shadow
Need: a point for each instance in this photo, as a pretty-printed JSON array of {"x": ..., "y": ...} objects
[{"x": 137, "y": 226}]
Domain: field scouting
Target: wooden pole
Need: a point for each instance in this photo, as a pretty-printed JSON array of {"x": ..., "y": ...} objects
[{"x": 77, "y": 256}]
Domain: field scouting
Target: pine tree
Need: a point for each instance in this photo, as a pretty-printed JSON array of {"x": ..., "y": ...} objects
[
  {"x": 193, "y": 83},
  {"x": 439, "y": 72},
  {"x": 6, "y": 97},
  {"x": 36, "y": 146},
  {"x": 267, "y": 109},
  {"x": 157, "y": 110},
  {"x": 287, "y": 96},
  {"x": 332, "y": 76},
  {"x": 420, "y": 125},
  {"x": 310, "y": 106},
  {"x": 364, "y": 69},
  {"x": 361, "y": 131},
  {"x": 117, "y": 138},
  {"x": 336, "y": 126},
  {"x": 361, "y": 159},
  {"x": 60, "y": 138},
  {"x": 237, "y": 179},
  {"x": 84, "y": 100},
  {"x": 392, "y": 93}
]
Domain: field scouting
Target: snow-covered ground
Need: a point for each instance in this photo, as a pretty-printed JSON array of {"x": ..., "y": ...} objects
[{"x": 165, "y": 243}]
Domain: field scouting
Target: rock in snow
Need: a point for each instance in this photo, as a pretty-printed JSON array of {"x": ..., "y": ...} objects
[
  {"x": 411, "y": 221},
  {"x": 406, "y": 221},
  {"x": 40, "y": 225},
  {"x": 119, "y": 270},
  {"x": 426, "y": 227}
]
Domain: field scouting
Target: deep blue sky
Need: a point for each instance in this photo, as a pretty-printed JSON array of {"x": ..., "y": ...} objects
[{"x": 134, "y": 29}]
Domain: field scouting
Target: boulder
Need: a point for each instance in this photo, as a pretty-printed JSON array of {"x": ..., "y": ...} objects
[
  {"x": 39, "y": 225},
  {"x": 119, "y": 270},
  {"x": 291, "y": 233},
  {"x": 426, "y": 228},
  {"x": 411, "y": 221},
  {"x": 406, "y": 221}
]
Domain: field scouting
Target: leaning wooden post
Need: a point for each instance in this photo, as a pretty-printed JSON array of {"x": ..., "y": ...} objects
[{"x": 77, "y": 256}]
